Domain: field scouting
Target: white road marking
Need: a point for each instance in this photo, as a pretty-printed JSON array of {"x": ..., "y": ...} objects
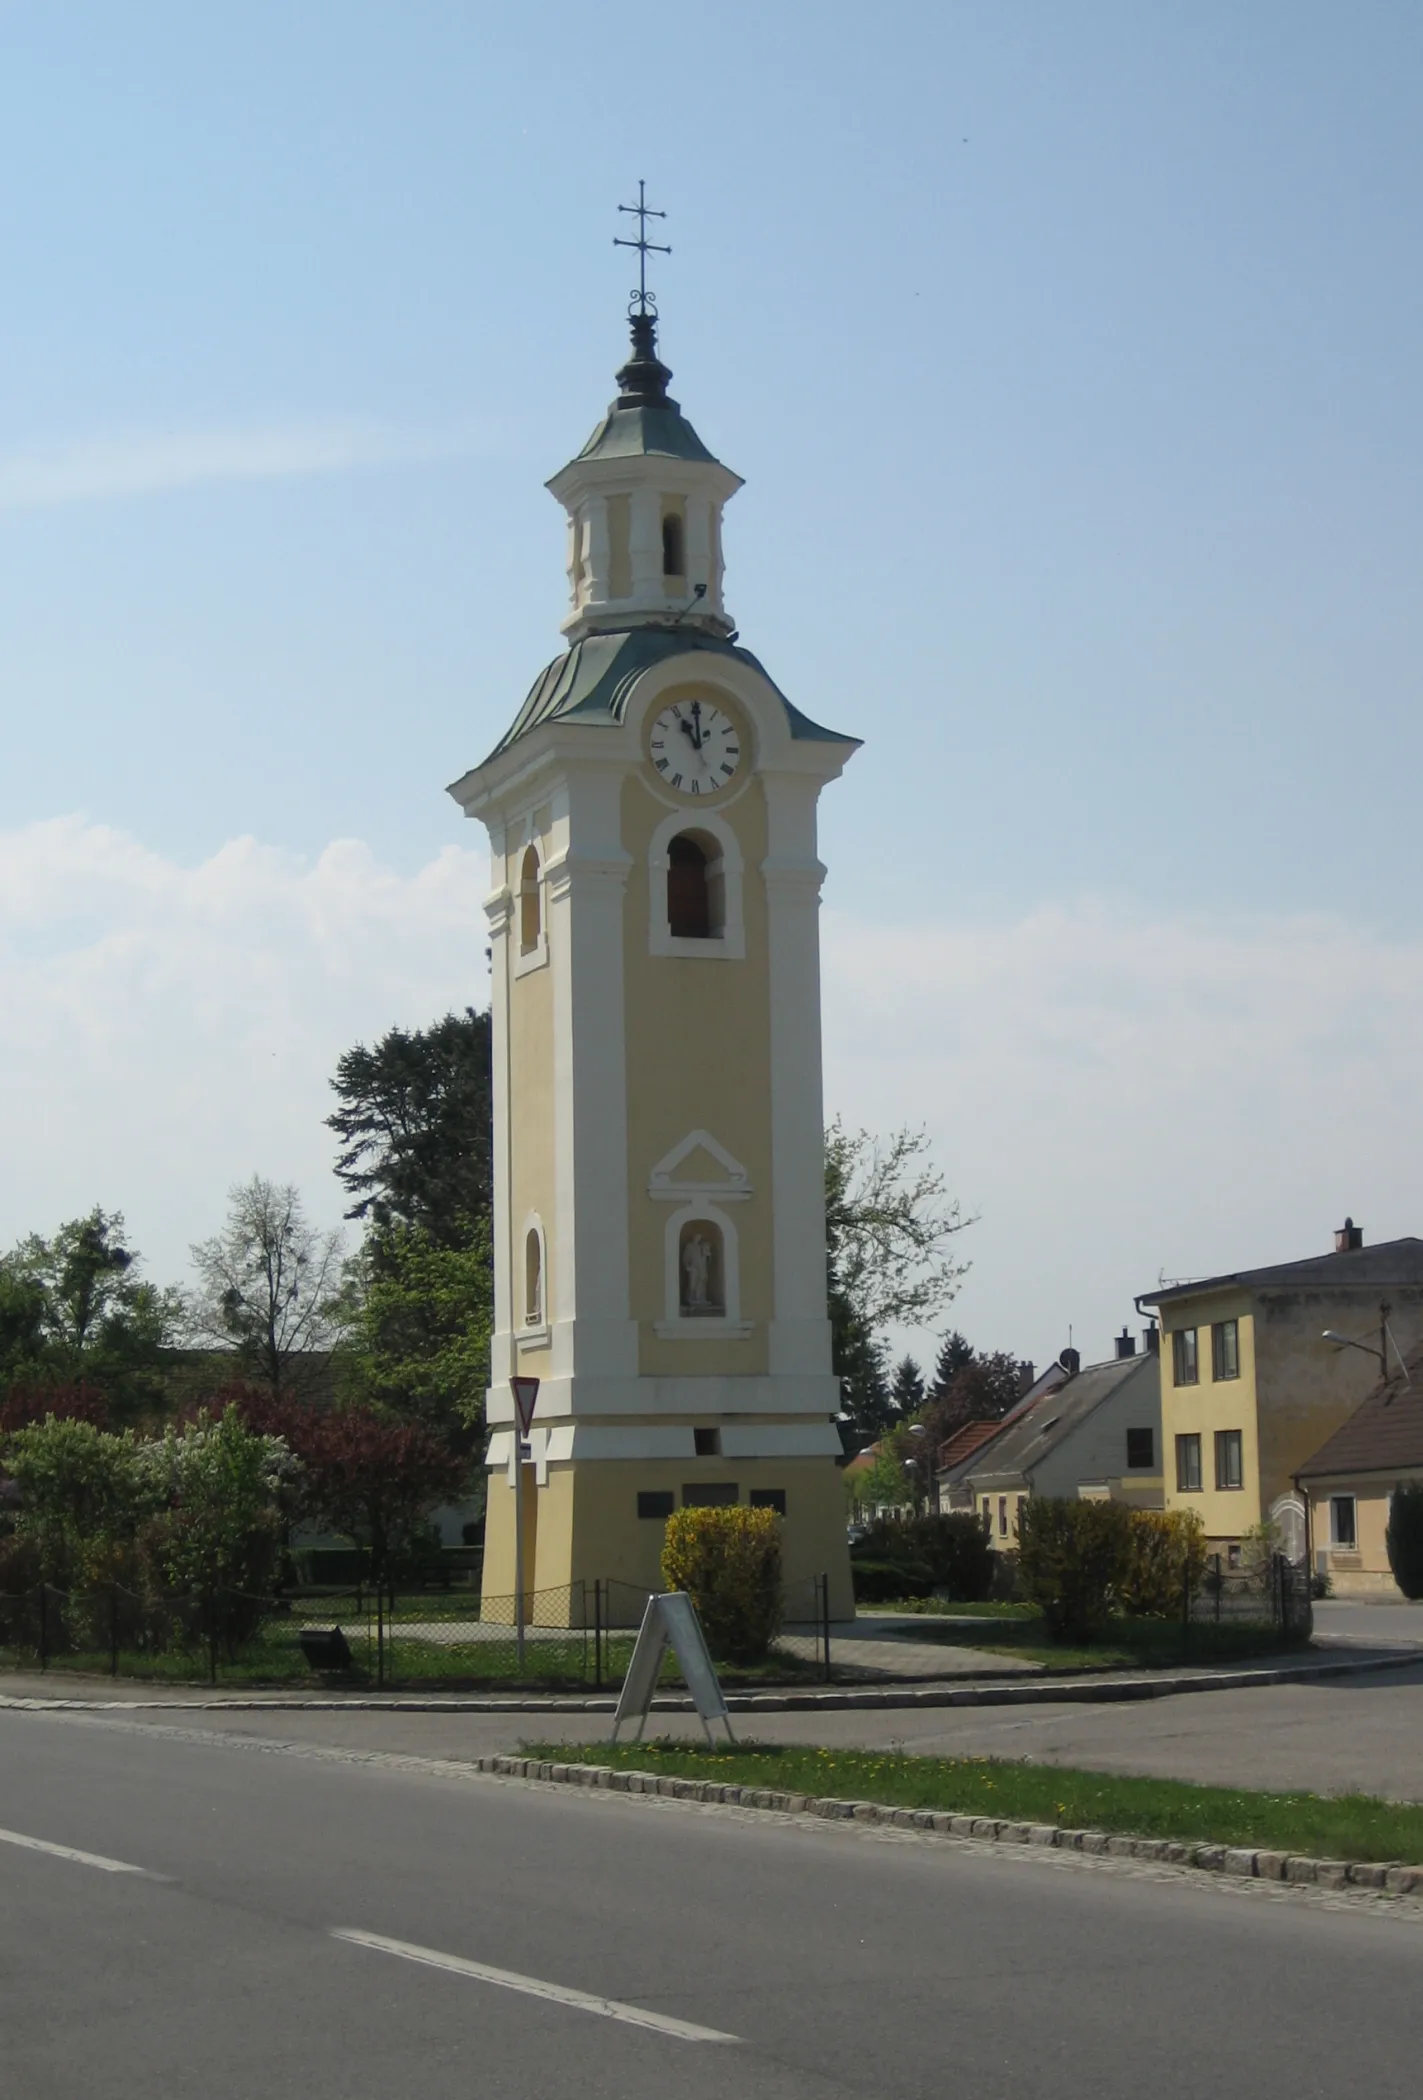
[
  {"x": 83, "y": 1859},
  {"x": 534, "y": 1987}
]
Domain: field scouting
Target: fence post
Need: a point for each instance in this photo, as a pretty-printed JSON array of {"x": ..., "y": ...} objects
[
  {"x": 598, "y": 1632},
  {"x": 380, "y": 1637},
  {"x": 113, "y": 1629},
  {"x": 1186, "y": 1610},
  {"x": 44, "y": 1626},
  {"x": 824, "y": 1587},
  {"x": 1219, "y": 1586}
]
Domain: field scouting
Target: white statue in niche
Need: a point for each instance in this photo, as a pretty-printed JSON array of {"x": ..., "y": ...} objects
[{"x": 701, "y": 1289}]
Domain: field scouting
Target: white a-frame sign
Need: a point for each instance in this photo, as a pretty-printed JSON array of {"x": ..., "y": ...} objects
[{"x": 671, "y": 1621}]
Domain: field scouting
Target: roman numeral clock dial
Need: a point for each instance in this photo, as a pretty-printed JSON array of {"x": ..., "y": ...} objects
[{"x": 695, "y": 748}]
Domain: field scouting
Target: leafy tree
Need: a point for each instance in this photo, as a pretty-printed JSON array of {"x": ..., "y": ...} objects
[
  {"x": 884, "y": 1484},
  {"x": 374, "y": 1480},
  {"x": 889, "y": 1232},
  {"x": 74, "y": 1308},
  {"x": 271, "y": 1287},
  {"x": 890, "y": 1227},
  {"x": 416, "y": 1127},
  {"x": 223, "y": 1490},
  {"x": 419, "y": 1344},
  {"x": 82, "y": 1494}
]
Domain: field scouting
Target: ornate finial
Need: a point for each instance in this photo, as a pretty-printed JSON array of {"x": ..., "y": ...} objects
[{"x": 642, "y": 301}]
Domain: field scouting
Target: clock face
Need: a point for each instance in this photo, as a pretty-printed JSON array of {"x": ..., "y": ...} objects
[{"x": 695, "y": 747}]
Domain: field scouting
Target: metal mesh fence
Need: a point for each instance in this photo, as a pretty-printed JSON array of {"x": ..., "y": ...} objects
[
  {"x": 575, "y": 1634},
  {"x": 1273, "y": 1591}
]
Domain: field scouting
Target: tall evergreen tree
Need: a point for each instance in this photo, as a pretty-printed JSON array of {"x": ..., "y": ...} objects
[
  {"x": 415, "y": 1125},
  {"x": 907, "y": 1387}
]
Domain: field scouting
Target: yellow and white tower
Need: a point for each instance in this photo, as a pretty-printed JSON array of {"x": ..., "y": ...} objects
[{"x": 659, "y": 1226}]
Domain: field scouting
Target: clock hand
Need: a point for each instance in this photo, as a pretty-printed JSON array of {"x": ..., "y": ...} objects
[{"x": 697, "y": 719}]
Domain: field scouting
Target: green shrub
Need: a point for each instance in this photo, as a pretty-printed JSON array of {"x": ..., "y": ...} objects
[
  {"x": 890, "y": 1581},
  {"x": 953, "y": 1549},
  {"x": 1167, "y": 1549},
  {"x": 1404, "y": 1537},
  {"x": 1073, "y": 1558},
  {"x": 729, "y": 1563}
]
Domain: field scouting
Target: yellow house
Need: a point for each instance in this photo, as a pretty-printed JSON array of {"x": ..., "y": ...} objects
[
  {"x": 1252, "y": 1385},
  {"x": 659, "y": 1223},
  {"x": 1348, "y": 1483}
]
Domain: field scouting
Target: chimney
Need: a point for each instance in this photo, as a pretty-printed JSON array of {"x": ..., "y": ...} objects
[
  {"x": 1071, "y": 1361},
  {"x": 1126, "y": 1345},
  {"x": 1349, "y": 1238},
  {"x": 1152, "y": 1339}
]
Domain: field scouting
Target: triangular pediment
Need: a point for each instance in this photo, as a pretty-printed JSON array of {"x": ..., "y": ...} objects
[{"x": 699, "y": 1165}]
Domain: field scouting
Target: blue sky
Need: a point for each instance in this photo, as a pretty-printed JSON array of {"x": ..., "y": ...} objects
[{"x": 1071, "y": 358}]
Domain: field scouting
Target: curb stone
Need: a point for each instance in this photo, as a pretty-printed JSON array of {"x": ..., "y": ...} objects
[
  {"x": 847, "y": 1698},
  {"x": 1241, "y": 1861}
]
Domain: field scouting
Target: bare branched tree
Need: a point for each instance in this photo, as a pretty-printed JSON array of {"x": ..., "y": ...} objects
[{"x": 270, "y": 1285}]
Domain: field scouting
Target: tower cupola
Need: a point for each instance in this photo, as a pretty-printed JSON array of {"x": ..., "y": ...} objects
[{"x": 644, "y": 500}]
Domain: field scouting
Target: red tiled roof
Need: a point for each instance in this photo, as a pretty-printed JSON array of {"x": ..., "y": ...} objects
[{"x": 964, "y": 1442}]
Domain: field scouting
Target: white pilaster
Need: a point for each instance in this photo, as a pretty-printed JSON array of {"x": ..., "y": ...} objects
[{"x": 800, "y": 1331}]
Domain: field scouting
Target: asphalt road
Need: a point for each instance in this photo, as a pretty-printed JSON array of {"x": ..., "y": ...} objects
[
  {"x": 841, "y": 1962},
  {"x": 1349, "y": 1735}
]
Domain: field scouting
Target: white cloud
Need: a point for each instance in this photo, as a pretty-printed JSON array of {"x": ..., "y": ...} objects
[
  {"x": 105, "y": 465},
  {"x": 1113, "y": 1093}
]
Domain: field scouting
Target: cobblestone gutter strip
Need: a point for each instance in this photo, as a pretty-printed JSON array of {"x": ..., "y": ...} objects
[
  {"x": 1035, "y": 1692},
  {"x": 1389, "y": 1876}
]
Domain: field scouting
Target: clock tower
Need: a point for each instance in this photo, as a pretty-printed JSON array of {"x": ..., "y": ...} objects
[{"x": 659, "y": 1226}]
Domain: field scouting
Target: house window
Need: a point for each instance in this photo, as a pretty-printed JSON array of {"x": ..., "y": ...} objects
[
  {"x": 656, "y": 1503},
  {"x": 707, "y": 1443},
  {"x": 1141, "y": 1448},
  {"x": 533, "y": 1278},
  {"x": 709, "y": 1494},
  {"x": 769, "y": 1498},
  {"x": 1002, "y": 1516},
  {"x": 696, "y": 889},
  {"x": 1225, "y": 1349},
  {"x": 987, "y": 1514},
  {"x": 1188, "y": 1465},
  {"x": 1343, "y": 1521},
  {"x": 1229, "y": 1459},
  {"x": 674, "y": 560},
  {"x": 1183, "y": 1356},
  {"x": 1018, "y": 1517},
  {"x": 530, "y": 903}
]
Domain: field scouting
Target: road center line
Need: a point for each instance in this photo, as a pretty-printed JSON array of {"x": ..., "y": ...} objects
[
  {"x": 83, "y": 1859},
  {"x": 534, "y": 1987}
]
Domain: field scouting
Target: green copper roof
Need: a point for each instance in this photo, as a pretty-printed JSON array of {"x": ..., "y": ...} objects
[
  {"x": 595, "y": 679},
  {"x": 630, "y": 433}
]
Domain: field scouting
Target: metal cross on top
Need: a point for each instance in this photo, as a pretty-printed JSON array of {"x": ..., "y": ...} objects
[{"x": 642, "y": 211}]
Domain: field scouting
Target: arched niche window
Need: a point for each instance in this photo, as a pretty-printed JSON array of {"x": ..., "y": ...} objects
[
  {"x": 530, "y": 903},
  {"x": 701, "y": 1270},
  {"x": 696, "y": 888},
  {"x": 674, "y": 555},
  {"x": 533, "y": 1278}
]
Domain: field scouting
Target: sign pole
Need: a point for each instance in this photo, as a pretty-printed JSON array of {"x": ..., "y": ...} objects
[{"x": 526, "y": 1393}]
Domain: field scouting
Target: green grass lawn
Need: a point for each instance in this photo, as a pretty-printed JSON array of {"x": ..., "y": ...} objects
[
  {"x": 1352, "y": 1826},
  {"x": 273, "y": 1659},
  {"x": 1143, "y": 1644}
]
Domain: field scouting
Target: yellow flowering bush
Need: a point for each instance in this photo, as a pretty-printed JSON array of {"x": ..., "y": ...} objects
[{"x": 729, "y": 1562}]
